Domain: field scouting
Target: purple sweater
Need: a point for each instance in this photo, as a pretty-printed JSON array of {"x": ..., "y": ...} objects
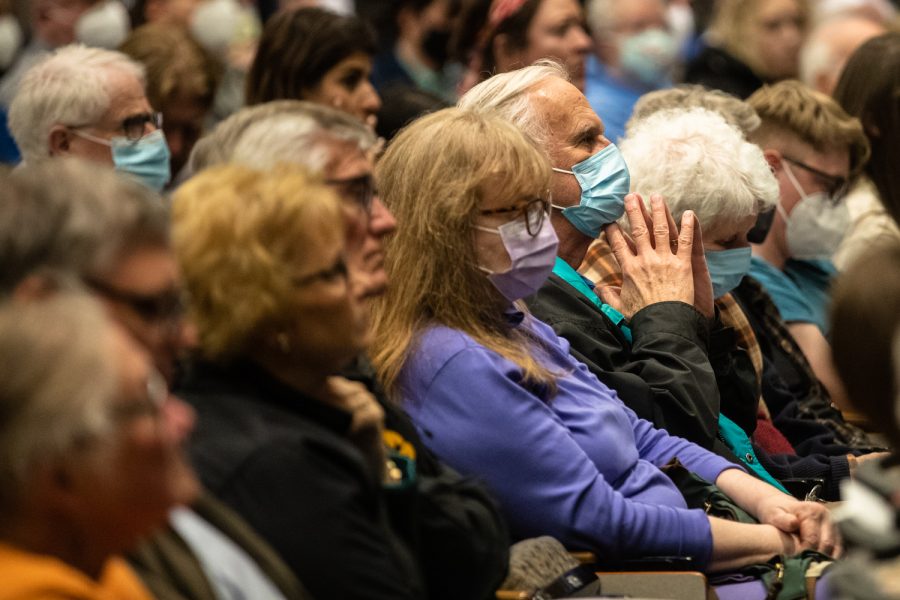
[{"x": 581, "y": 467}]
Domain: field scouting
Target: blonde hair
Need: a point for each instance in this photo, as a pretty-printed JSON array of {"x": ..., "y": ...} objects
[
  {"x": 433, "y": 177},
  {"x": 240, "y": 236},
  {"x": 731, "y": 29},
  {"x": 789, "y": 107},
  {"x": 734, "y": 110}
]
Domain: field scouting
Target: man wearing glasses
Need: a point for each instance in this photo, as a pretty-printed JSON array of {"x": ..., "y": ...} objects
[
  {"x": 90, "y": 103},
  {"x": 815, "y": 150}
]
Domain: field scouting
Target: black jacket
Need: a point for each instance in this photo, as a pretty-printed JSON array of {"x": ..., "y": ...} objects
[
  {"x": 666, "y": 376},
  {"x": 281, "y": 460},
  {"x": 716, "y": 69}
]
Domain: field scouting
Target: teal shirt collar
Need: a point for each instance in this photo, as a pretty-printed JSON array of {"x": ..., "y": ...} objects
[{"x": 585, "y": 286}]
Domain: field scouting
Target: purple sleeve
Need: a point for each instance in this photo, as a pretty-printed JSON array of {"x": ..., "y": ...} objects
[
  {"x": 476, "y": 416},
  {"x": 658, "y": 447}
]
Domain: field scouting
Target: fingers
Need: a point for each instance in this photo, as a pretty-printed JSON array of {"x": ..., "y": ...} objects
[
  {"x": 639, "y": 221},
  {"x": 673, "y": 229},
  {"x": 621, "y": 247},
  {"x": 611, "y": 296},
  {"x": 786, "y": 522},
  {"x": 686, "y": 236},
  {"x": 698, "y": 239},
  {"x": 661, "y": 218}
]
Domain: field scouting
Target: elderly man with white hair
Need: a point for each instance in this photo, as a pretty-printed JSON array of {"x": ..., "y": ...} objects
[
  {"x": 650, "y": 340},
  {"x": 90, "y": 103}
]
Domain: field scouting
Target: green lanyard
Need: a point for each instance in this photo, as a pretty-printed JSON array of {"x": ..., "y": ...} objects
[{"x": 564, "y": 271}]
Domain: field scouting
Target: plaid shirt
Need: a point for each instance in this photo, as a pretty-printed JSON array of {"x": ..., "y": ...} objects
[{"x": 601, "y": 266}]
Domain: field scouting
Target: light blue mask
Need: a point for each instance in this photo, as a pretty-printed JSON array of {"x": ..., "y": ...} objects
[
  {"x": 604, "y": 181},
  {"x": 649, "y": 56},
  {"x": 147, "y": 158},
  {"x": 727, "y": 268}
]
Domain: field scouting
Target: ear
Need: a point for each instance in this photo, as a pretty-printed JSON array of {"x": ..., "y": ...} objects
[
  {"x": 773, "y": 157},
  {"x": 34, "y": 287},
  {"x": 59, "y": 140}
]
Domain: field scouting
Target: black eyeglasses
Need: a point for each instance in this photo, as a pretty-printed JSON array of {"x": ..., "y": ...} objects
[
  {"x": 338, "y": 269},
  {"x": 359, "y": 190},
  {"x": 535, "y": 211},
  {"x": 150, "y": 403},
  {"x": 835, "y": 186},
  {"x": 134, "y": 126},
  {"x": 167, "y": 306}
]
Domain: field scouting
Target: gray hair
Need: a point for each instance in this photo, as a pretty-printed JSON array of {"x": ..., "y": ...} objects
[
  {"x": 73, "y": 216},
  {"x": 697, "y": 161},
  {"x": 292, "y": 131},
  {"x": 734, "y": 110},
  {"x": 68, "y": 87},
  {"x": 58, "y": 378},
  {"x": 506, "y": 94}
]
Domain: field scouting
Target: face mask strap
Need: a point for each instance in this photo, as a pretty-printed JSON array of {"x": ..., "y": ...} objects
[
  {"x": 793, "y": 179},
  {"x": 558, "y": 170},
  {"x": 91, "y": 138}
]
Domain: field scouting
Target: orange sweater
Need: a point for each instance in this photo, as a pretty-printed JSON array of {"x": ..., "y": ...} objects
[{"x": 28, "y": 576}]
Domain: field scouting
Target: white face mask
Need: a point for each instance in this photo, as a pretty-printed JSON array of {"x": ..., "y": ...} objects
[
  {"x": 10, "y": 40},
  {"x": 105, "y": 25},
  {"x": 214, "y": 24},
  {"x": 816, "y": 226}
]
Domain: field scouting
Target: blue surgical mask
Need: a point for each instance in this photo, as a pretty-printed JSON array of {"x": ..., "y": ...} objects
[
  {"x": 649, "y": 57},
  {"x": 146, "y": 158},
  {"x": 727, "y": 268},
  {"x": 604, "y": 181}
]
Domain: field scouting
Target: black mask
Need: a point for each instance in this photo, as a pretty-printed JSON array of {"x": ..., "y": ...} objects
[
  {"x": 758, "y": 233},
  {"x": 436, "y": 44}
]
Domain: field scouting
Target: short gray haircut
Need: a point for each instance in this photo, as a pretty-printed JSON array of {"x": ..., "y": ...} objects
[
  {"x": 75, "y": 217},
  {"x": 292, "y": 131},
  {"x": 507, "y": 95},
  {"x": 697, "y": 161},
  {"x": 58, "y": 379},
  {"x": 735, "y": 111},
  {"x": 68, "y": 87}
]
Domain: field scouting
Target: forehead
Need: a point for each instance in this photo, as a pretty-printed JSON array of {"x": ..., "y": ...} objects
[
  {"x": 554, "y": 11},
  {"x": 564, "y": 109},
  {"x": 346, "y": 161},
  {"x": 640, "y": 13},
  {"x": 126, "y": 96}
]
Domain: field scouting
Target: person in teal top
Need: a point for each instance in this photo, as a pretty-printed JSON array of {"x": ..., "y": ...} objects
[{"x": 801, "y": 290}]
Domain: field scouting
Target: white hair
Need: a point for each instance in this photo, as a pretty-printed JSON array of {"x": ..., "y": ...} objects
[
  {"x": 697, "y": 161},
  {"x": 293, "y": 131},
  {"x": 68, "y": 87},
  {"x": 601, "y": 16},
  {"x": 506, "y": 95},
  {"x": 277, "y": 139},
  {"x": 58, "y": 378}
]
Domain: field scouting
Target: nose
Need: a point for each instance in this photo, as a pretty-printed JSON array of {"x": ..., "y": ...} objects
[
  {"x": 581, "y": 41},
  {"x": 381, "y": 220},
  {"x": 371, "y": 103},
  {"x": 178, "y": 418}
]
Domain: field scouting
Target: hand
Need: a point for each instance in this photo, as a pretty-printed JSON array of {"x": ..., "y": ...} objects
[
  {"x": 809, "y": 522},
  {"x": 855, "y": 461},
  {"x": 703, "y": 290},
  {"x": 368, "y": 418},
  {"x": 657, "y": 266}
]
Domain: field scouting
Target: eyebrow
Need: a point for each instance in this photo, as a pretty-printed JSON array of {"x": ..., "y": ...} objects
[{"x": 589, "y": 131}]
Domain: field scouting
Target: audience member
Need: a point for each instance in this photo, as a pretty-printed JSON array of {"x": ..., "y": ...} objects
[
  {"x": 495, "y": 390},
  {"x": 750, "y": 43},
  {"x": 635, "y": 54},
  {"x": 286, "y": 442},
  {"x": 866, "y": 315},
  {"x": 829, "y": 45},
  {"x": 815, "y": 149},
  {"x": 790, "y": 388},
  {"x": 312, "y": 54},
  {"x": 90, "y": 103},
  {"x": 91, "y": 457},
  {"x": 57, "y": 23},
  {"x": 867, "y": 90},
  {"x": 182, "y": 80},
  {"x": 75, "y": 220},
  {"x": 495, "y": 36},
  {"x": 454, "y": 529},
  {"x": 403, "y": 105},
  {"x": 418, "y": 54},
  {"x": 685, "y": 157}
]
